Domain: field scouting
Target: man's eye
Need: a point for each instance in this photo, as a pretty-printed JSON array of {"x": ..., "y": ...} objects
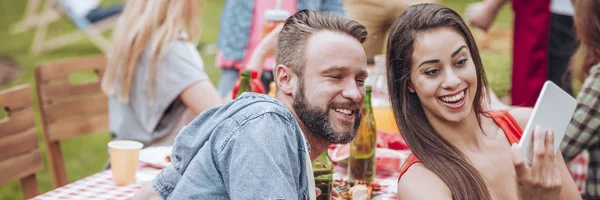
[
  {"x": 335, "y": 76},
  {"x": 432, "y": 72},
  {"x": 360, "y": 81}
]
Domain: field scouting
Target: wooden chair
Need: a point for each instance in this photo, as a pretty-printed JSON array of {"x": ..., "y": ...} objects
[
  {"x": 69, "y": 110},
  {"x": 19, "y": 154}
]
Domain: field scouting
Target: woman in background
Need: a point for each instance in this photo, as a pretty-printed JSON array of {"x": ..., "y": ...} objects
[
  {"x": 584, "y": 131},
  {"x": 461, "y": 150},
  {"x": 155, "y": 77}
]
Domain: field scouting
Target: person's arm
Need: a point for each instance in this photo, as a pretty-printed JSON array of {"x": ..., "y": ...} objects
[
  {"x": 482, "y": 14},
  {"x": 262, "y": 160},
  {"x": 583, "y": 129},
  {"x": 200, "y": 96},
  {"x": 544, "y": 148},
  {"x": 420, "y": 183},
  {"x": 264, "y": 49},
  {"x": 161, "y": 187},
  {"x": 146, "y": 192}
]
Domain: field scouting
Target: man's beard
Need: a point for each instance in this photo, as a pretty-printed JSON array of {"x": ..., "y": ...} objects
[{"x": 317, "y": 121}]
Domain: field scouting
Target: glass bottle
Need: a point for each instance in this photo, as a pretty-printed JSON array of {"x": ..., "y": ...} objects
[
  {"x": 361, "y": 163},
  {"x": 323, "y": 172},
  {"x": 245, "y": 84}
]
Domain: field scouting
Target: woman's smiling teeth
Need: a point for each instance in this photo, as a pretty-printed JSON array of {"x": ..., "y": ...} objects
[
  {"x": 453, "y": 99},
  {"x": 343, "y": 111}
]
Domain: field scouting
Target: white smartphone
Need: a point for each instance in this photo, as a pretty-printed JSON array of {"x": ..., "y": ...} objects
[{"x": 553, "y": 110}]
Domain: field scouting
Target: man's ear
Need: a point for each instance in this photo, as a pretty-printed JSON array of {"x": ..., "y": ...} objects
[{"x": 286, "y": 79}]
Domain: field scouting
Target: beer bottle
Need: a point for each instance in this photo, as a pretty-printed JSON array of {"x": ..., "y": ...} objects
[
  {"x": 323, "y": 172},
  {"x": 361, "y": 163},
  {"x": 245, "y": 84}
]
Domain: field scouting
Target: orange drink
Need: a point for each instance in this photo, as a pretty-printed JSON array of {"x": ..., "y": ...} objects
[
  {"x": 269, "y": 25},
  {"x": 123, "y": 160},
  {"x": 384, "y": 118}
]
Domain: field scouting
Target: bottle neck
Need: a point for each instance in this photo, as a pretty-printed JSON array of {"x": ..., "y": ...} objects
[{"x": 367, "y": 102}]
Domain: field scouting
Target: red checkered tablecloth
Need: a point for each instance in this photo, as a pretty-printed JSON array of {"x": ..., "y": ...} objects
[
  {"x": 578, "y": 168},
  {"x": 101, "y": 186}
]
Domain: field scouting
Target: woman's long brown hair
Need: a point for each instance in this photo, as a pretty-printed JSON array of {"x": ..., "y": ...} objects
[
  {"x": 434, "y": 152},
  {"x": 587, "y": 26}
]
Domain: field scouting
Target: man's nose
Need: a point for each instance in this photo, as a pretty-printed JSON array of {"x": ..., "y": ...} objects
[{"x": 353, "y": 92}]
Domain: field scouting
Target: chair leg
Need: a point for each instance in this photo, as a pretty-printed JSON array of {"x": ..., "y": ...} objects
[
  {"x": 29, "y": 18},
  {"x": 30, "y": 187},
  {"x": 38, "y": 38},
  {"x": 57, "y": 164},
  {"x": 102, "y": 43},
  {"x": 48, "y": 16},
  {"x": 61, "y": 41}
]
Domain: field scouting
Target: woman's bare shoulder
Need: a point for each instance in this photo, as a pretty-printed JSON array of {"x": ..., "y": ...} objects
[
  {"x": 418, "y": 182},
  {"x": 521, "y": 115}
]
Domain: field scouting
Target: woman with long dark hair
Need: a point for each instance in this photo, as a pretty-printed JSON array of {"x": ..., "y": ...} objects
[{"x": 461, "y": 149}]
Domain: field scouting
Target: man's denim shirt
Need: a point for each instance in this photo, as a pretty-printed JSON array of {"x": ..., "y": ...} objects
[{"x": 250, "y": 148}]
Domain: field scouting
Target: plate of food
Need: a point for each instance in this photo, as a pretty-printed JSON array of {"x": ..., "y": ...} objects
[{"x": 159, "y": 157}]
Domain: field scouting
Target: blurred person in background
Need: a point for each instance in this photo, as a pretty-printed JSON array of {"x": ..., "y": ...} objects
[
  {"x": 561, "y": 43},
  {"x": 583, "y": 132},
  {"x": 530, "y": 43},
  {"x": 155, "y": 77},
  {"x": 378, "y": 16},
  {"x": 460, "y": 148},
  {"x": 240, "y": 32}
]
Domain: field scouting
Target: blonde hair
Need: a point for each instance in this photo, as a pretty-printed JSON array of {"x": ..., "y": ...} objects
[{"x": 142, "y": 21}]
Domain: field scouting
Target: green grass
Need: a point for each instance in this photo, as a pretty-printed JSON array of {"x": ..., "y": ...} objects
[{"x": 87, "y": 155}]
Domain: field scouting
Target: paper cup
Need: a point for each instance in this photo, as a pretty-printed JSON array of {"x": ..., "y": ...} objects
[{"x": 124, "y": 155}]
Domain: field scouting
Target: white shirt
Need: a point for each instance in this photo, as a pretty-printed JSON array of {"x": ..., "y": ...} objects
[
  {"x": 562, "y": 7},
  {"x": 80, "y": 8}
]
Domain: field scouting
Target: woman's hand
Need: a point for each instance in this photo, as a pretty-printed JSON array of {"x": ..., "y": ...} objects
[{"x": 542, "y": 180}]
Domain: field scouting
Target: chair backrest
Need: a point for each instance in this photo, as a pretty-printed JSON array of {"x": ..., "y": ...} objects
[
  {"x": 19, "y": 154},
  {"x": 67, "y": 109}
]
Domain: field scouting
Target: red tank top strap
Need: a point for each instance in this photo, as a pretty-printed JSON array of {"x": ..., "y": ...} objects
[
  {"x": 509, "y": 125},
  {"x": 503, "y": 118},
  {"x": 412, "y": 159}
]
